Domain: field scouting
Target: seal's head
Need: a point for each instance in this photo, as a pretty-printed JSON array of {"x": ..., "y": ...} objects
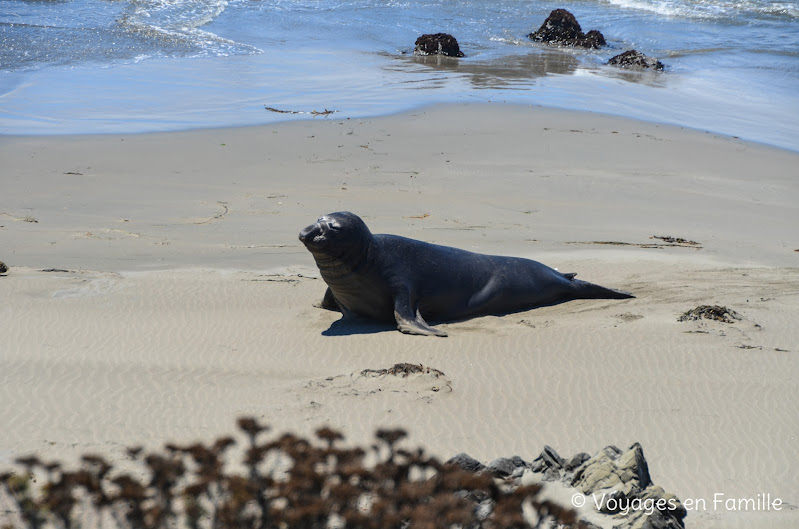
[{"x": 336, "y": 234}]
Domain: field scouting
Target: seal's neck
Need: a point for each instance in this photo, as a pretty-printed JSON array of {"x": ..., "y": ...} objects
[{"x": 339, "y": 267}]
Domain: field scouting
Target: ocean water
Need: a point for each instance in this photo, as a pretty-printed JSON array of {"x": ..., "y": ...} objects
[{"x": 97, "y": 66}]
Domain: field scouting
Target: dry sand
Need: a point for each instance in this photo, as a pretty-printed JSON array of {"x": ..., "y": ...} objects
[{"x": 186, "y": 299}]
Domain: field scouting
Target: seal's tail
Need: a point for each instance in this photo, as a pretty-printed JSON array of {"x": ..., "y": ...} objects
[{"x": 586, "y": 290}]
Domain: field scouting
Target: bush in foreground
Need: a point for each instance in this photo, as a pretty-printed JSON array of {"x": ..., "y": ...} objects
[{"x": 284, "y": 482}]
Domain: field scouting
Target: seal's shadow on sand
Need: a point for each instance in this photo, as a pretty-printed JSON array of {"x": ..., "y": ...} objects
[{"x": 345, "y": 327}]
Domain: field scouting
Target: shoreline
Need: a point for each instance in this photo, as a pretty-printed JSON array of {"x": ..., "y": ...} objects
[
  {"x": 312, "y": 116},
  {"x": 97, "y": 100},
  {"x": 185, "y": 299}
]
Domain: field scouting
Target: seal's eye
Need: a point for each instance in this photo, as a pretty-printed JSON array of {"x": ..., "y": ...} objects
[{"x": 333, "y": 225}]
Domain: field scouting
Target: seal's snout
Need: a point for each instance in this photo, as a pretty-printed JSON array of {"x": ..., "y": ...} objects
[
  {"x": 310, "y": 233},
  {"x": 320, "y": 231}
]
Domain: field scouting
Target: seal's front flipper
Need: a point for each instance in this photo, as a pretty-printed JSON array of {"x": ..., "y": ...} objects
[
  {"x": 329, "y": 301},
  {"x": 416, "y": 325}
]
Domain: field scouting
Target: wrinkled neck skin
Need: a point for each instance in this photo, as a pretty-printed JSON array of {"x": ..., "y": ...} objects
[{"x": 343, "y": 268}]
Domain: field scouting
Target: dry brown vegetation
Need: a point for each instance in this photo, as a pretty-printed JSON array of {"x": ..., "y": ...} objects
[{"x": 287, "y": 482}]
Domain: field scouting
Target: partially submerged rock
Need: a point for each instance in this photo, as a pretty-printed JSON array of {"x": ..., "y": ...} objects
[
  {"x": 635, "y": 60},
  {"x": 710, "y": 312},
  {"x": 438, "y": 44},
  {"x": 562, "y": 28}
]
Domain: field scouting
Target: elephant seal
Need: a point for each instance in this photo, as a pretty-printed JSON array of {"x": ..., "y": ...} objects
[{"x": 392, "y": 278}]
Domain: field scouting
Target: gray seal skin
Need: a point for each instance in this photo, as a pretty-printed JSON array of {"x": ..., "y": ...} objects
[{"x": 392, "y": 278}]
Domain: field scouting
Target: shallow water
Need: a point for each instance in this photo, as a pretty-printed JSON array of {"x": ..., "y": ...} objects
[{"x": 139, "y": 65}]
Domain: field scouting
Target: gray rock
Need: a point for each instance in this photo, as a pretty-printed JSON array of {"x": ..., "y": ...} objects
[
  {"x": 619, "y": 480},
  {"x": 551, "y": 474},
  {"x": 576, "y": 461},
  {"x": 474, "y": 496},
  {"x": 622, "y": 479},
  {"x": 604, "y": 471},
  {"x": 467, "y": 462},
  {"x": 502, "y": 467},
  {"x": 548, "y": 458},
  {"x": 484, "y": 509},
  {"x": 519, "y": 462}
]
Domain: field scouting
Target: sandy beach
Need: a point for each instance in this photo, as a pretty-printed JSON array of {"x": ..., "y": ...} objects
[{"x": 157, "y": 290}]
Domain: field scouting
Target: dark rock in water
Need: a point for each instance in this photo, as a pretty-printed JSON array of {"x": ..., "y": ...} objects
[
  {"x": 594, "y": 39},
  {"x": 633, "y": 59},
  {"x": 467, "y": 462},
  {"x": 3, "y": 268},
  {"x": 561, "y": 27},
  {"x": 438, "y": 44}
]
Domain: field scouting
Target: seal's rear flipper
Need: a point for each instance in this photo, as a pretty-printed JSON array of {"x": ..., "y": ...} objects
[
  {"x": 416, "y": 325},
  {"x": 586, "y": 290}
]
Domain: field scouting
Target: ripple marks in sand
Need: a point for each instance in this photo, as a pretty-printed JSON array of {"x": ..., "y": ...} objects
[{"x": 49, "y": 406}]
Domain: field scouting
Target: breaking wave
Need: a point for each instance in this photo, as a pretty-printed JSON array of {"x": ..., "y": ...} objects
[
  {"x": 715, "y": 9},
  {"x": 178, "y": 22}
]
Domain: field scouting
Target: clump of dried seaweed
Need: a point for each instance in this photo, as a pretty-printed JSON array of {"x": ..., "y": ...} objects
[
  {"x": 675, "y": 240},
  {"x": 403, "y": 370},
  {"x": 710, "y": 312},
  {"x": 288, "y": 482}
]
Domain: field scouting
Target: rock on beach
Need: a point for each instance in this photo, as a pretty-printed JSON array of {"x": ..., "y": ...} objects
[{"x": 617, "y": 480}]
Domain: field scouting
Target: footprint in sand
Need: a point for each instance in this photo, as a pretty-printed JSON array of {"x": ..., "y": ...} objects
[
  {"x": 98, "y": 285},
  {"x": 402, "y": 378}
]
